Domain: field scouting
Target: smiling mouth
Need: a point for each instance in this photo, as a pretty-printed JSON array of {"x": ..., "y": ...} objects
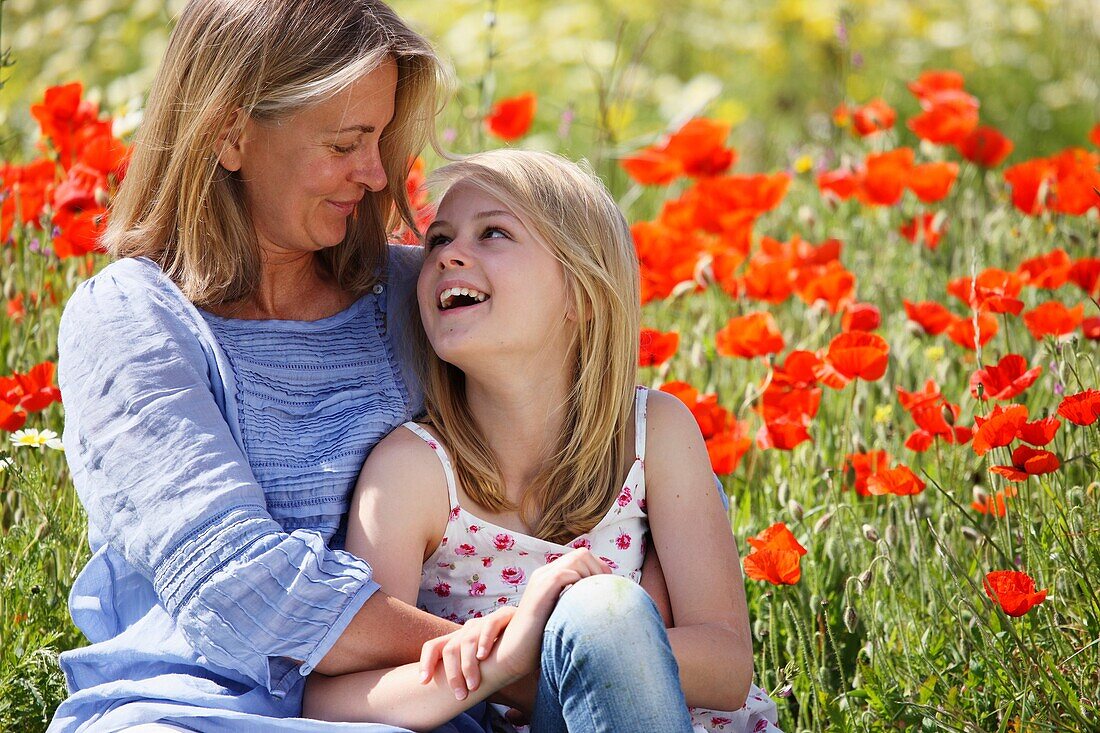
[{"x": 454, "y": 298}]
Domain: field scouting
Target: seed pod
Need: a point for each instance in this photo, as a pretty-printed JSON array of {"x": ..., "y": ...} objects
[
  {"x": 783, "y": 492},
  {"x": 795, "y": 509},
  {"x": 891, "y": 534},
  {"x": 850, "y": 619},
  {"x": 870, "y": 533},
  {"x": 823, "y": 523}
]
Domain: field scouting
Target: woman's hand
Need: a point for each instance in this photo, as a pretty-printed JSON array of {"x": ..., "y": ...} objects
[{"x": 515, "y": 634}]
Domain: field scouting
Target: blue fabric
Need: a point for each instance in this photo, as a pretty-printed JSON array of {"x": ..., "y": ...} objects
[
  {"x": 606, "y": 664},
  {"x": 216, "y": 460}
]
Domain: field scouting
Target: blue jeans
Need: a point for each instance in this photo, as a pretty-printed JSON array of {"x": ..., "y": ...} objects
[{"x": 607, "y": 666}]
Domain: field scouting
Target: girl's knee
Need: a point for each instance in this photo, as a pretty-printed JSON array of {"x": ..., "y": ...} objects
[{"x": 603, "y": 604}]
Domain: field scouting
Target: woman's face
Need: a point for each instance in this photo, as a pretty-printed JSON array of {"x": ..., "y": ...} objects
[{"x": 305, "y": 174}]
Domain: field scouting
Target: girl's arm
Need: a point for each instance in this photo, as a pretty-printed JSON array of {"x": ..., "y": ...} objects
[
  {"x": 692, "y": 536},
  {"x": 397, "y": 518}
]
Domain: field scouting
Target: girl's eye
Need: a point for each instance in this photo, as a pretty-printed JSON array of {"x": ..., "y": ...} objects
[
  {"x": 495, "y": 233},
  {"x": 435, "y": 240}
]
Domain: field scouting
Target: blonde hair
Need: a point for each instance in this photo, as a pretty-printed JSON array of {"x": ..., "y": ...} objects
[
  {"x": 574, "y": 216},
  {"x": 266, "y": 59}
]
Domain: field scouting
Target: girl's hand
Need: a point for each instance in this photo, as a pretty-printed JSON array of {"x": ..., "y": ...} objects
[
  {"x": 461, "y": 652},
  {"x": 520, "y": 645}
]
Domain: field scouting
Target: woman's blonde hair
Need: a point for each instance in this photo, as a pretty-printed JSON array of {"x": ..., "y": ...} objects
[
  {"x": 263, "y": 59},
  {"x": 572, "y": 214}
]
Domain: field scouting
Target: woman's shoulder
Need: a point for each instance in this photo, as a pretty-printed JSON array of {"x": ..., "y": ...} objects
[{"x": 403, "y": 264}]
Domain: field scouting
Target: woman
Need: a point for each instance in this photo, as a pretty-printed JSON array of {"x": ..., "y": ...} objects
[{"x": 225, "y": 379}]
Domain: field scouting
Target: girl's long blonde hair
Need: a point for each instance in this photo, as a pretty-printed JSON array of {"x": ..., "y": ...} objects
[
  {"x": 571, "y": 212},
  {"x": 263, "y": 59}
]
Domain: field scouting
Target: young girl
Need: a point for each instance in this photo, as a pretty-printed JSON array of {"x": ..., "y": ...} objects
[{"x": 526, "y": 499}]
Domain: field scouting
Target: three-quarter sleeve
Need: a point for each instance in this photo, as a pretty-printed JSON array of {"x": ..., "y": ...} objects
[{"x": 167, "y": 487}]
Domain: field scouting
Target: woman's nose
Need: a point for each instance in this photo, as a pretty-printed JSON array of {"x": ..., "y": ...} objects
[{"x": 369, "y": 170}]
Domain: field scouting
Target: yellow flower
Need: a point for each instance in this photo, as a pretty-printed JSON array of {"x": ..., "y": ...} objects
[
  {"x": 934, "y": 353},
  {"x": 804, "y": 164},
  {"x": 883, "y": 414},
  {"x": 34, "y": 438}
]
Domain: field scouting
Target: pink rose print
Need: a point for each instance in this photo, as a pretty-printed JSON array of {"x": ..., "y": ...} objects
[
  {"x": 504, "y": 541},
  {"x": 760, "y": 726},
  {"x": 624, "y": 496},
  {"x": 524, "y": 553},
  {"x": 443, "y": 542},
  {"x": 577, "y": 544},
  {"x": 454, "y": 618},
  {"x": 513, "y": 575},
  {"x": 474, "y": 528},
  {"x": 466, "y": 550},
  {"x": 486, "y": 561},
  {"x": 454, "y": 514},
  {"x": 623, "y": 541},
  {"x": 720, "y": 722},
  {"x": 442, "y": 589},
  {"x": 610, "y": 563},
  {"x": 477, "y": 589},
  {"x": 641, "y": 504},
  {"x": 502, "y": 601},
  {"x": 551, "y": 557}
]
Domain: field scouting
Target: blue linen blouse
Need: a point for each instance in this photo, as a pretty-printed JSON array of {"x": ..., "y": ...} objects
[{"x": 216, "y": 459}]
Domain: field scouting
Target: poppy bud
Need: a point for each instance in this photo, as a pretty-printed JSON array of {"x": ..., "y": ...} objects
[
  {"x": 822, "y": 524},
  {"x": 850, "y": 619},
  {"x": 866, "y": 577},
  {"x": 783, "y": 493},
  {"x": 948, "y": 414},
  {"x": 760, "y": 628},
  {"x": 971, "y": 534},
  {"x": 785, "y": 690},
  {"x": 795, "y": 509},
  {"x": 870, "y": 533},
  {"x": 891, "y": 534},
  {"x": 980, "y": 496}
]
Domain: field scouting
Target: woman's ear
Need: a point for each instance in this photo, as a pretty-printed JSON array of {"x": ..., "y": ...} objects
[{"x": 229, "y": 143}]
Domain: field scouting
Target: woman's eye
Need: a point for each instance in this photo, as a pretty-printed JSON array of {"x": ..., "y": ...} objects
[
  {"x": 435, "y": 240},
  {"x": 342, "y": 149}
]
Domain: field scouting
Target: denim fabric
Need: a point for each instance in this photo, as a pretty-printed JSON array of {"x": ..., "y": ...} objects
[{"x": 606, "y": 664}]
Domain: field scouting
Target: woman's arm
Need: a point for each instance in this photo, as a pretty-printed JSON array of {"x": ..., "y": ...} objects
[
  {"x": 692, "y": 536},
  {"x": 168, "y": 488}
]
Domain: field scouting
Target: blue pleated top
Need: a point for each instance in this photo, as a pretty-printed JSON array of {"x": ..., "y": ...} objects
[{"x": 216, "y": 460}]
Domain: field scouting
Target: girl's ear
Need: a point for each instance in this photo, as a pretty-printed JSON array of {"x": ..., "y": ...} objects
[{"x": 230, "y": 156}]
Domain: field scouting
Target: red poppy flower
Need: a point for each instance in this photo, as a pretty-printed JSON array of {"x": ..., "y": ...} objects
[
  {"x": 68, "y": 121},
  {"x": 985, "y": 146},
  {"x": 696, "y": 149},
  {"x": 928, "y": 396},
  {"x": 1032, "y": 184},
  {"x": 999, "y": 427},
  {"x": 1091, "y": 328},
  {"x": 947, "y": 116},
  {"x": 797, "y": 371},
  {"x": 861, "y": 466},
  {"x": 899, "y": 481},
  {"x": 726, "y": 437},
  {"x": 993, "y": 289},
  {"x": 28, "y": 188},
  {"x": 873, "y": 117},
  {"x": 886, "y": 177},
  {"x": 749, "y": 336},
  {"x": 1085, "y": 274},
  {"x": 656, "y": 347},
  {"x": 17, "y": 308},
  {"x": 1040, "y": 432},
  {"x": 860, "y": 317},
  {"x": 932, "y": 181},
  {"x": 926, "y": 228},
  {"x": 842, "y": 183},
  {"x": 1077, "y": 181},
  {"x": 33, "y": 391},
  {"x": 1082, "y": 408},
  {"x": 830, "y": 284},
  {"x": 1053, "y": 319},
  {"x": 858, "y": 355},
  {"x": 1013, "y": 591},
  {"x": 783, "y": 432},
  {"x": 1004, "y": 381},
  {"x": 511, "y": 118},
  {"x": 650, "y": 167},
  {"x": 79, "y": 233},
  {"x": 666, "y": 258},
  {"x": 994, "y": 505},
  {"x": 1027, "y": 461},
  {"x": 962, "y": 330},
  {"x": 11, "y": 418},
  {"x": 933, "y": 317},
  {"x": 777, "y": 537},
  {"x": 930, "y": 82},
  {"x": 1049, "y": 271},
  {"x": 725, "y": 449},
  {"x": 771, "y": 281},
  {"x": 778, "y": 567},
  {"x": 718, "y": 196},
  {"x": 1094, "y": 135}
]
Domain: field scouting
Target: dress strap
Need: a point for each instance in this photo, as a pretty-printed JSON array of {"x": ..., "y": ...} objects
[
  {"x": 452, "y": 490},
  {"x": 641, "y": 400}
]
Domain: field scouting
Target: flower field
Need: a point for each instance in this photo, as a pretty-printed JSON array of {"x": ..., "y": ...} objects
[{"x": 871, "y": 276}]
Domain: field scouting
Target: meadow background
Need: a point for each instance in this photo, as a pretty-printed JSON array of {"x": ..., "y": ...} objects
[{"x": 887, "y": 626}]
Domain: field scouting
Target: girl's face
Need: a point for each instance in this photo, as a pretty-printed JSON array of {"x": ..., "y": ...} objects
[
  {"x": 490, "y": 292},
  {"x": 304, "y": 175}
]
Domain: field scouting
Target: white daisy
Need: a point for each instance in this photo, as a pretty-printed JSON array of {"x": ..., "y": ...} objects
[{"x": 34, "y": 438}]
